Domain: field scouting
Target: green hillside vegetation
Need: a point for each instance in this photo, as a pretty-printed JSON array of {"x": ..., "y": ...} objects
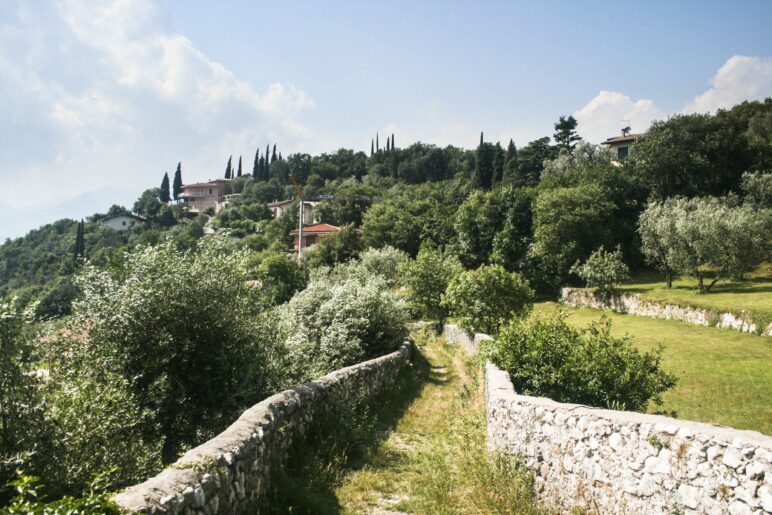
[{"x": 724, "y": 377}]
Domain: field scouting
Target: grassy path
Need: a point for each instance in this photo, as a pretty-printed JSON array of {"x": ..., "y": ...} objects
[
  {"x": 435, "y": 460},
  {"x": 425, "y": 451}
]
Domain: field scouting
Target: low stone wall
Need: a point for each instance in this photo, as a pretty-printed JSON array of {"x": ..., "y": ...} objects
[
  {"x": 231, "y": 473},
  {"x": 623, "y": 462},
  {"x": 633, "y": 304},
  {"x": 454, "y": 334},
  {"x": 604, "y": 461}
]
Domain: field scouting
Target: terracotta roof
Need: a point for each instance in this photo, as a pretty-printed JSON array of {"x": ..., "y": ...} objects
[
  {"x": 318, "y": 229},
  {"x": 622, "y": 139}
]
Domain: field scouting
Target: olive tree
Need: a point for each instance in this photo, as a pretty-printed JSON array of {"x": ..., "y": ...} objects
[{"x": 425, "y": 279}]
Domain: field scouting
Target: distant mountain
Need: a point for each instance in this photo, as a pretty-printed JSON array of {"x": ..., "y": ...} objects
[{"x": 15, "y": 222}]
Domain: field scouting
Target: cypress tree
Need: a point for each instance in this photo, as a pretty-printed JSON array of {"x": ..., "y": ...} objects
[
  {"x": 280, "y": 158},
  {"x": 483, "y": 169},
  {"x": 388, "y": 143},
  {"x": 498, "y": 163},
  {"x": 261, "y": 175},
  {"x": 79, "y": 249},
  {"x": 510, "y": 161},
  {"x": 238, "y": 174},
  {"x": 228, "y": 168},
  {"x": 177, "y": 184},
  {"x": 256, "y": 166},
  {"x": 273, "y": 156},
  {"x": 392, "y": 141},
  {"x": 163, "y": 195},
  {"x": 267, "y": 168},
  {"x": 377, "y": 145},
  {"x": 372, "y": 147}
]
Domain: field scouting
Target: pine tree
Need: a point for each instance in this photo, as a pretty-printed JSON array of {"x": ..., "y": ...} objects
[
  {"x": 510, "y": 161},
  {"x": 228, "y": 168},
  {"x": 163, "y": 195},
  {"x": 238, "y": 173},
  {"x": 177, "y": 184},
  {"x": 565, "y": 133},
  {"x": 256, "y": 166},
  {"x": 273, "y": 156}
]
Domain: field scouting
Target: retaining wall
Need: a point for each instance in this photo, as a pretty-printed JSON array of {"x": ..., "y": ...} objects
[
  {"x": 454, "y": 334},
  {"x": 605, "y": 461},
  {"x": 231, "y": 473},
  {"x": 634, "y": 305}
]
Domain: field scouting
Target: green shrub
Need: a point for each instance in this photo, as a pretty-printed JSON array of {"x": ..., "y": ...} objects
[
  {"x": 280, "y": 278},
  {"x": 602, "y": 270},
  {"x": 20, "y": 413},
  {"x": 426, "y": 278},
  {"x": 29, "y": 501},
  {"x": 547, "y": 357},
  {"x": 181, "y": 329},
  {"x": 334, "y": 323},
  {"x": 484, "y": 298}
]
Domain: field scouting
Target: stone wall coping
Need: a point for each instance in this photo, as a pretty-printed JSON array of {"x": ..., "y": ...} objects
[
  {"x": 500, "y": 387},
  {"x": 245, "y": 433}
]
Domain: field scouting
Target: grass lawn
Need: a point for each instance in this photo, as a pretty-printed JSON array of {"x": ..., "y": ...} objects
[
  {"x": 724, "y": 377},
  {"x": 752, "y": 294}
]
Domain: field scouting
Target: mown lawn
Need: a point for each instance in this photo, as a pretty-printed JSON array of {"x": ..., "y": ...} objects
[
  {"x": 724, "y": 377},
  {"x": 754, "y": 294}
]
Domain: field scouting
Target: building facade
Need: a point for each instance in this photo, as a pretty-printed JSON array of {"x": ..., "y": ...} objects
[
  {"x": 121, "y": 222},
  {"x": 204, "y": 195},
  {"x": 312, "y": 234}
]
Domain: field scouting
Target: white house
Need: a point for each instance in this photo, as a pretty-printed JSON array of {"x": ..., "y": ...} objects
[
  {"x": 121, "y": 222},
  {"x": 281, "y": 207}
]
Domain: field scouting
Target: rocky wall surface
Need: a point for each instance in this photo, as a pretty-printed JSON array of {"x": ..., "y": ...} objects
[
  {"x": 231, "y": 473},
  {"x": 634, "y": 305},
  {"x": 605, "y": 461},
  {"x": 454, "y": 334}
]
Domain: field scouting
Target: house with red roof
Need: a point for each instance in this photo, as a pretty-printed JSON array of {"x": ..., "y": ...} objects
[{"x": 312, "y": 234}]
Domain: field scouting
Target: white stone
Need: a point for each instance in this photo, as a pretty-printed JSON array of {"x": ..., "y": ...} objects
[
  {"x": 646, "y": 487},
  {"x": 754, "y": 470},
  {"x": 659, "y": 464},
  {"x": 670, "y": 429},
  {"x": 740, "y": 508},
  {"x": 765, "y": 496},
  {"x": 688, "y": 496},
  {"x": 747, "y": 493},
  {"x": 616, "y": 441},
  {"x": 732, "y": 458},
  {"x": 713, "y": 453}
]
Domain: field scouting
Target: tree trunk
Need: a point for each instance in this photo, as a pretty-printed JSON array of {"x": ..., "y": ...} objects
[
  {"x": 669, "y": 278},
  {"x": 700, "y": 283},
  {"x": 712, "y": 283}
]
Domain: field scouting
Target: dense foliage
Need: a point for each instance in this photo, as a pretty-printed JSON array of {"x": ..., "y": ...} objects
[
  {"x": 602, "y": 270},
  {"x": 548, "y": 357},
  {"x": 485, "y": 298}
]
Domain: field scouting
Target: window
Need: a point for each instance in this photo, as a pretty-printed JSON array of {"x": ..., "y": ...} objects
[
  {"x": 210, "y": 191},
  {"x": 622, "y": 152},
  {"x": 124, "y": 222}
]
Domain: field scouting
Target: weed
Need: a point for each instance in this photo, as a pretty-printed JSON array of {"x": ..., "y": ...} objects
[{"x": 656, "y": 442}]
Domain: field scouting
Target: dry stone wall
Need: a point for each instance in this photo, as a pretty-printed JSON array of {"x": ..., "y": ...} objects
[
  {"x": 232, "y": 472},
  {"x": 604, "y": 461},
  {"x": 454, "y": 334},
  {"x": 635, "y": 305}
]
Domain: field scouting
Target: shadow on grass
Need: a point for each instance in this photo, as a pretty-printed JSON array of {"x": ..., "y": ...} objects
[{"x": 345, "y": 441}]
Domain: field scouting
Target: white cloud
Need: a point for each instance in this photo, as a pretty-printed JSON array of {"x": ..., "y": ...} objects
[
  {"x": 603, "y": 116},
  {"x": 740, "y": 78},
  {"x": 97, "y": 94}
]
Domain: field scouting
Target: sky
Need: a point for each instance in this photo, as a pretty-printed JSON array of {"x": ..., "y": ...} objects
[{"x": 98, "y": 98}]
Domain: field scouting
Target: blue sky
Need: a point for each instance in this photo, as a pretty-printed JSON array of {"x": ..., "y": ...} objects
[{"x": 99, "y": 98}]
